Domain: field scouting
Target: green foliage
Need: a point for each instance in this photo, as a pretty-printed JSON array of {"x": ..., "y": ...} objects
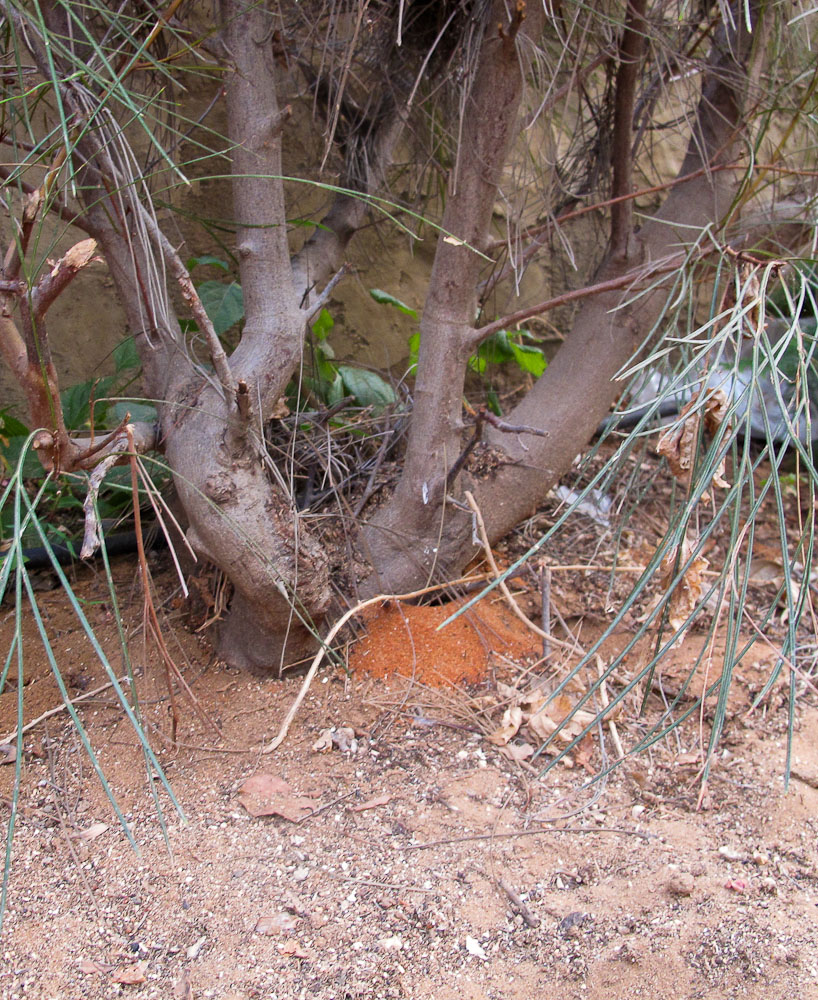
[
  {"x": 504, "y": 347},
  {"x": 331, "y": 382},
  {"x": 414, "y": 352},
  {"x": 223, "y": 303},
  {"x": 384, "y": 298},
  {"x": 368, "y": 388},
  {"x": 206, "y": 260},
  {"x": 501, "y": 348}
]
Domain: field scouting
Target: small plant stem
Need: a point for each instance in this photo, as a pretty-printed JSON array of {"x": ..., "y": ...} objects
[
  {"x": 515, "y": 607},
  {"x": 632, "y": 279},
  {"x": 516, "y": 901},
  {"x": 65, "y": 831},
  {"x": 545, "y": 590},
  {"x": 14, "y": 734},
  {"x": 618, "y": 830}
]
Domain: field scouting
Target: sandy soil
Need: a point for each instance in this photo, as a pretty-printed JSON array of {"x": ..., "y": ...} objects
[{"x": 416, "y": 861}]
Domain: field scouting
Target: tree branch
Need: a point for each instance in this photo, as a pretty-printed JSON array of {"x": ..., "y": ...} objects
[
  {"x": 598, "y": 206},
  {"x": 369, "y": 155},
  {"x": 197, "y": 310},
  {"x": 489, "y": 126},
  {"x": 254, "y": 127},
  {"x": 633, "y": 280},
  {"x": 49, "y": 287},
  {"x": 627, "y": 77}
]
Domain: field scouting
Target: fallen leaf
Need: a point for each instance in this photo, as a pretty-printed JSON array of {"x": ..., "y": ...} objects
[
  {"x": 687, "y": 593},
  {"x": 269, "y": 795},
  {"x": 93, "y": 831},
  {"x": 473, "y": 947},
  {"x": 583, "y": 754},
  {"x": 342, "y": 737},
  {"x": 182, "y": 990},
  {"x": 292, "y": 949},
  {"x": 509, "y": 726},
  {"x": 131, "y": 975},
  {"x": 195, "y": 948},
  {"x": 9, "y": 752},
  {"x": 280, "y": 410},
  {"x": 277, "y": 923},
  {"x": 517, "y": 751},
  {"x": 324, "y": 741},
  {"x": 505, "y": 692},
  {"x": 543, "y": 722},
  {"x": 90, "y": 966},
  {"x": 378, "y": 800},
  {"x": 679, "y": 444}
]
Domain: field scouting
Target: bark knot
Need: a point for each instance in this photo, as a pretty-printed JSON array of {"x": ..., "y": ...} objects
[{"x": 221, "y": 488}]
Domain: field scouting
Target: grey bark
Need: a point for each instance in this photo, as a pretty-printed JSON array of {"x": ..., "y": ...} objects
[
  {"x": 417, "y": 534},
  {"x": 424, "y": 528}
]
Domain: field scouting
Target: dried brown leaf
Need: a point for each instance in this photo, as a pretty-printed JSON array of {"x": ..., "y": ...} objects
[
  {"x": 678, "y": 445},
  {"x": 544, "y": 722},
  {"x": 131, "y": 975},
  {"x": 293, "y": 950},
  {"x": 269, "y": 795},
  {"x": 93, "y": 831},
  {"x": 517, "y": 751},
  {"x": 688, "y": 591},
  {"x": 509, "y": 726}
]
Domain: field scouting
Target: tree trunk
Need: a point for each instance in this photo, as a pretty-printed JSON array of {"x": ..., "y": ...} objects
[
  {"x": 418, "y": 535},
  {"x": 424, "y": 528},
  {"x": 239, "y": 516}
]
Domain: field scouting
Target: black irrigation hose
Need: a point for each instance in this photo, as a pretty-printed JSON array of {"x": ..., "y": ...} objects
[{"x": 120, "y": 544}]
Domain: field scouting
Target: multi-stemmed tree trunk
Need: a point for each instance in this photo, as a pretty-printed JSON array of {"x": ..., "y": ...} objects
[{"x": 239, "y": 510}]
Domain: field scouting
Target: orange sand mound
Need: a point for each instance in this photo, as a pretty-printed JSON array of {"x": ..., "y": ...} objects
[{"x": 402, "y": 639}]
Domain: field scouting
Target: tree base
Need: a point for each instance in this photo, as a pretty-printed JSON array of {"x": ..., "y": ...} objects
[{"x": 245, "y": 640}]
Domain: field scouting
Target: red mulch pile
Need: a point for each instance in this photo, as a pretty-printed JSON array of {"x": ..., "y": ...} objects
[{"x": 403, "y": 639}]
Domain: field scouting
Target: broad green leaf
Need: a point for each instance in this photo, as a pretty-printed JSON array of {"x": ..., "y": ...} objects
[
  {"x": 326, "y": 369},
  {"x": 493, "y": 401},
  {"x": 494, "y": 351},
  {"x": 414, "y": 352},
  {"x": 386, "y": 299},
  {"x": 322, "y": 326},
  {"x": 336, "y": 390},
  {"x": 76, "y": 402},
  {"x": 206, "y": 259},
  {"x": 368, "y": 388},
  {"x": 126, "y": 357},
  {"x": 140, "y": 412},
  {"x": 223, "y": 303},
  {"x": 530, "y": 359},
  {"x": 12, "y": 427}
]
